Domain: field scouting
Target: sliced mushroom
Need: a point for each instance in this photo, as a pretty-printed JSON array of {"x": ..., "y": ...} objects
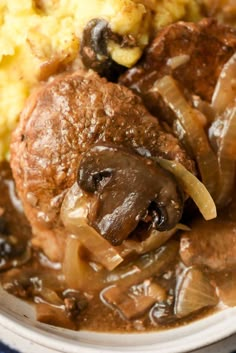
[
  {"x": 127, "y": 189},
  {"x": 55, "y": 316},
  {"x": 135, "y": 301},
  {"x": 94, "y": 51}
]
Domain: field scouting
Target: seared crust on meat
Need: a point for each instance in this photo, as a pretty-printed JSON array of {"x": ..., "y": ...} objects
[
  {"x": 210, "y": 244},
  {"x": 207, "y": 46},
  {"x": 61, "y": 121}
]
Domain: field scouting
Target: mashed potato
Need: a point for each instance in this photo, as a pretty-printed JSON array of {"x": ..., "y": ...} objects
[
  {"x": 223, "y": 10},
  {"x": 37, "y": 38}
]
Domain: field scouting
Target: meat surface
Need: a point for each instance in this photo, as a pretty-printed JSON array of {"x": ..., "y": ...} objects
[
  {"x": 60, "y": 122},
  {"x": 210, "y": 244},
  {"x": 193, "y": 54}
]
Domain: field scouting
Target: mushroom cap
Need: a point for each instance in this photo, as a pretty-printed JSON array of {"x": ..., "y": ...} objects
[{"x": 128, "y": 188}]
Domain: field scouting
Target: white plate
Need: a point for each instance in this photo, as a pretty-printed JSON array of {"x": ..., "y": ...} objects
[{"x": 17, "y": 319}]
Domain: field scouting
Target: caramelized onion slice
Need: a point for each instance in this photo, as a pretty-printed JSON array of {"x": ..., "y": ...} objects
[
  {"x": 223, "y": 136},
  {"x": 225, "y": 90},
  {"x": 194, "y": 130},
  {"x": 226, "y": 182},
  {"x": 176, "y": 61},
  {"x": 193, "y": 187},
  {"x": 78, "y": 273},
  {"x": 74, "y": 217},
  {"x": 99, "y": 248},
  {"x": 150, "y": 264},
  {"x": 194, "y": 293},
  {"x": 154, "y": 241},
  {"x": 227, "y": 148},
  {"x": 205, "y": 108}
]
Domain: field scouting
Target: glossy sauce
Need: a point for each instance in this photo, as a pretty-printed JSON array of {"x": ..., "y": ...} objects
[{"x": 41, "y": 281}]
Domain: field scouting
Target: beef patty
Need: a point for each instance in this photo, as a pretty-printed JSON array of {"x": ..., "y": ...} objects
[
  {"x": 62, "y": 121},
  {"x": 192, "y": 53}
]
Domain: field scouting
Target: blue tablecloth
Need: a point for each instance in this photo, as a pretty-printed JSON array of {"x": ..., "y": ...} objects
[{"x": 6, "y": 349}]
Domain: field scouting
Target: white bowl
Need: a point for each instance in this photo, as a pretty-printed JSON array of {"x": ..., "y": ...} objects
[{"x": 17, "y": 319}]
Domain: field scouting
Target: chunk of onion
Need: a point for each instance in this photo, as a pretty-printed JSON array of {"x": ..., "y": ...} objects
[
  {"x": 205, "y": 108},
  {"x": 177, "y": 61},
  {"x": 195, "y": 134},
  {"x": 194, "y": 292},
  {"x": 153, "y": 241},
  {"x": 193, "y": 187},
  {"x": 73, "y": 215},
  {"x": 78, "y": 273},
  {"x": 225, "y": 90},
  {"x": 99, "y": 248},
  {"x": 48, "y": 296},
  {"x": 150, "y": 264},
  {"x": 81, "y": 275}
]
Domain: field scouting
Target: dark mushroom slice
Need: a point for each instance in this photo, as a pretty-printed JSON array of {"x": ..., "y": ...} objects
[
  {"x": 128, "y": 188},
  {"x": 94, "y": 51}
]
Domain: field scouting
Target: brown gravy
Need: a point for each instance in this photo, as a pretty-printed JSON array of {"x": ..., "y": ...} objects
[{"x": 38, "y": 280}]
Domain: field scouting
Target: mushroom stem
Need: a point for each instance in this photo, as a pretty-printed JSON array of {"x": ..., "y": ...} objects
[{"x": 128, "y": 188}]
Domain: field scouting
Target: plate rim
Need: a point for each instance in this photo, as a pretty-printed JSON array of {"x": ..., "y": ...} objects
[{"x": 195, "y": 335}]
